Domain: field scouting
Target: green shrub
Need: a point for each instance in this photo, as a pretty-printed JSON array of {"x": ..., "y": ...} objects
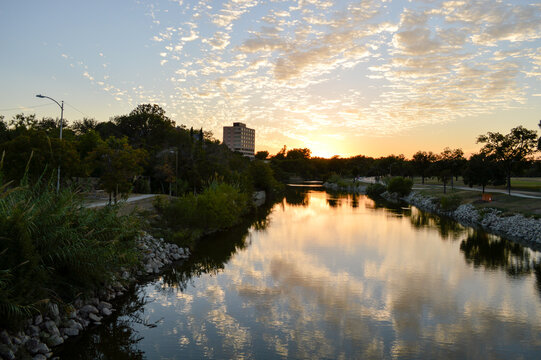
[
  {"x": 218, "y": 207},
  {"x": 376, "y": 189},
  {"x": 400, "y": 185},
  {"x": 450, "y": 202}
]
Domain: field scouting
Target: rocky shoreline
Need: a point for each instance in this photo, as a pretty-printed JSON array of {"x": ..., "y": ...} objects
[
  {"x": 516, "y": 227},
  {"x": 58, "y": 322}
]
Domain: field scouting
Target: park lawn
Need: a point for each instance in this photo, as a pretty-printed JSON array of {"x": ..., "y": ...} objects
[
  {"x": 517, "y": 183},
  {"x": 509, "y": 205}
]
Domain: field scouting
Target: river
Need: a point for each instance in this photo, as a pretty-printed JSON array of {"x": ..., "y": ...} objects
[{"x": 330, "y": 276}]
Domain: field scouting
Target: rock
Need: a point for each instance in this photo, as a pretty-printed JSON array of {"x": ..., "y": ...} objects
[
  {"x": 104, "y": 304},
  {"x": 106, "y": 312},
  {"x": 94, "y": 317},
  {"x": 5, "y": 339},
  {"x": 87, "y": 309},
  {"x": 55, "y": 340},
  {"x": 16, "y": 340},
  {"x": 51, "y": 328},
  {"x": 69, "y": 331},
  {"x": 38, "y": 319},
  {"x": 39, "y": 357},
  {"x": 6, "y": 353},
  {"x": 35, "y": 346},
  {"x": 53, "y": 310}
]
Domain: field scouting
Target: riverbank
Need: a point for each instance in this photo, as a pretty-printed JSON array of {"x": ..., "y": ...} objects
[
  {"x": 515, "y": 227},
  {"x": 508, "y": 221},
  {"x": 42, "y": 333}
]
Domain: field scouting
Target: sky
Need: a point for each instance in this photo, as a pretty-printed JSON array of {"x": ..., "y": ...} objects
[{"x": 372, "y": 77}]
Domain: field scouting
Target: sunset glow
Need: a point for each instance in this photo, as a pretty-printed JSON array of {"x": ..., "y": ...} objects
[{"x": 370, "y": 77}]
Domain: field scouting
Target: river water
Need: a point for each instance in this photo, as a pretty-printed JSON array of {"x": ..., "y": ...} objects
[{"x": 323, "y": 276}]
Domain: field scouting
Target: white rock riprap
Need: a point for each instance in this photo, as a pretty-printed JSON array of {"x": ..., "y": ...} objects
[
  {"x": 51, "y": 328},
  {"x": 516, "y": 227}
]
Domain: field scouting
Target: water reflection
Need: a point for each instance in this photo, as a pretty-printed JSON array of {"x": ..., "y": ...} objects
[
  {"x": 447, "y": 228},
  {"x": 296, "y": 196},
  {"x": 213, "y": 252},
  {"x": 116, "y": 338},
  {"x": 492, "y": 252},
  {"x": 342, "y": 276}
]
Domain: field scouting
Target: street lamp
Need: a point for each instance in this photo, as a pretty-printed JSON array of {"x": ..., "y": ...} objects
[{"x": 61, "y": 122}]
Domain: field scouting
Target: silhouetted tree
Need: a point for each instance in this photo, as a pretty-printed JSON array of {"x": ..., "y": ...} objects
[
  {"x": 509, "y": 150},
  {"x": 422, "y": 161},
  {"x": 482, "y": 170},
  {"x": 262, "y": 155}
]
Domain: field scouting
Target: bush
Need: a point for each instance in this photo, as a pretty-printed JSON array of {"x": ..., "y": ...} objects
[
  {"x": 400, "y": 185},
  {"x": 450, "y": 203},
  {"x": 218, "y": 207},
  {"x": 374, "y": 190}
]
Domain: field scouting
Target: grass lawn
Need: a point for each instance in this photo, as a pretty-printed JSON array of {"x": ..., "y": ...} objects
[
  {"x": 517, "y": 183},
  {"x": 507, "y": 204}
]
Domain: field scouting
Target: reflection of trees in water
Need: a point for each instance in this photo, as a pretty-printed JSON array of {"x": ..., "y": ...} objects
[
  {"x": 116, "y": 338},
  {"x": 213, "y": 252},
  {"x": 492, "y": 252},
  {"x": 334, "y": 200},
  {"x": 447, "y": 228},
  {"x": 297, "y": 196}
]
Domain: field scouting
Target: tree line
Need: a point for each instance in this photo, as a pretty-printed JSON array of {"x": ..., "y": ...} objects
[
  {"x": 143, "y": 151},
  {"x": 500, "y": 157}
]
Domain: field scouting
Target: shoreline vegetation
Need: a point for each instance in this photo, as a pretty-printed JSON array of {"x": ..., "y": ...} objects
[{"x": 515, "y": 218}]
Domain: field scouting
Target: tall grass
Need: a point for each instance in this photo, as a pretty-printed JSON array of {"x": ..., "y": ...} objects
[{"x": 53, "y": 247}]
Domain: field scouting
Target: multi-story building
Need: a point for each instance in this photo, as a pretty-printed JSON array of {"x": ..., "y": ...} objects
[{"x": 240, "y": 138}]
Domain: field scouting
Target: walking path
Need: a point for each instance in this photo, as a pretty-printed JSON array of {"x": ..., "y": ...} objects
[{"x": 130, "y": 199}]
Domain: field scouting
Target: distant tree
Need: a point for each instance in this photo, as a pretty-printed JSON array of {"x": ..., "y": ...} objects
[
  {"x": 84, "y": 126},
  {"x": 510, "y": 150},
  {"x": 482, "y": 170},
  {"x": 262, "y": 155},
  {"x": 118, "y": 164},
  {"x": 146, "y": 126},
  {"x": 295, "y": 154},
  {"x": 107, "y": 129},
  {"x": 23, "y": 122},
  {"x": 453, "y": 160},
  {"x": 280, "y": 155},
  {"x": 422, "y": 161}
]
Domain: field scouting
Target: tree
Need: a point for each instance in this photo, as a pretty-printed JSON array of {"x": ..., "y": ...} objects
[
  {"x": 422, "y": 161},
  {"x": 482, "y": 170},
  {"x": 118, "y": 163},
  {"x": 510, "y": 150},
  {"x": 82, "y": 127},
  {"x": 34, "y": 152},
  {"x": 146, "y": 126},
  {"x": 453, "y": 160},
  {"x": 296, "y": 154},
  {"x": 262, "y": 155}
]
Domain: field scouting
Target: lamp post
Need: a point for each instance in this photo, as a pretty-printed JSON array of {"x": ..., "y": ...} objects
[{"x": 61, "y": 123}]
